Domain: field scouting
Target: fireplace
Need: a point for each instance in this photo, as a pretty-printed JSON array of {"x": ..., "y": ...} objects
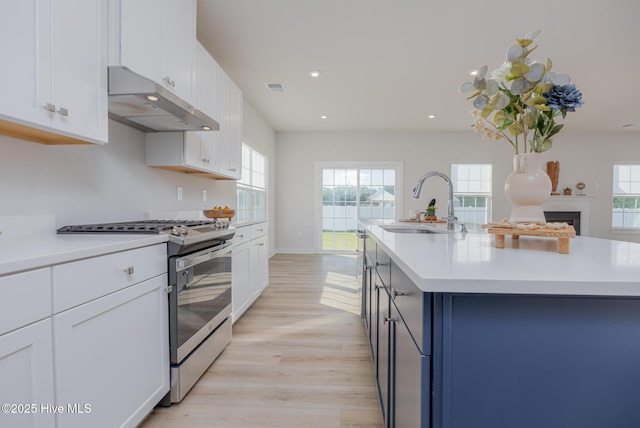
[{"x": 570, "y": 217}]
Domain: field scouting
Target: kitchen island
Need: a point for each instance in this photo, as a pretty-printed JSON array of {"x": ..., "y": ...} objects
[{"x": 467, "y": 335}]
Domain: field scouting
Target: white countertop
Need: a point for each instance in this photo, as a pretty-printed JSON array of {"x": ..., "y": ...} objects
[
  {"x": 29, "y": 252},
  {"x": 469, "y": 263}
]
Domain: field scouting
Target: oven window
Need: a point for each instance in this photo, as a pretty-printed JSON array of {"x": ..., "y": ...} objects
[{"x": 204, "y": 297}]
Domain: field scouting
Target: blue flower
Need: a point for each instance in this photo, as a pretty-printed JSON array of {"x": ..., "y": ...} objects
[{"x": 565, "y": 98}]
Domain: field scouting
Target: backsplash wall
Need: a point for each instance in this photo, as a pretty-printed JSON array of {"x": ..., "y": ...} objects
[{"x": 88, "y": 184}]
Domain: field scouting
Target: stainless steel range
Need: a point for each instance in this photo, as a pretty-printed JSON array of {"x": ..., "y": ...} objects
[{"x": 199, "y": 267}]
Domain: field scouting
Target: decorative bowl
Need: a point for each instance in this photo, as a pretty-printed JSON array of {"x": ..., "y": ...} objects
[{"x": 219, "y": 213}]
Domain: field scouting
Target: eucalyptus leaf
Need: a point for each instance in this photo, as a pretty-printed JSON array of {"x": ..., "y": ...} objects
[
  {"x": 492, "y": 87},
  {"x": 524, "y": 42},
  {"x": 466, "y": 87},
  {"x": 519, "y": 69},
  {"x": 480, "y": 102},
  {"x": 532, "y": 35},
  {"x": 500, "y": 101},
  {"x": 529, "y": 119},
  {"x": 536, "y": 72},
  {"x": 482, "y": 71},
  {"x": 527, "y": 52},
  {"x": 513, "y": 54},
  {"x": 515, "y": 129},
  {"x": 542, "y": 88},
  {"x": 518, "y": 86}
]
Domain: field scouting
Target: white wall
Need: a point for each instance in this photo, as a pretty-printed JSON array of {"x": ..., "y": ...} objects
[{"x": 586, "y": 157}]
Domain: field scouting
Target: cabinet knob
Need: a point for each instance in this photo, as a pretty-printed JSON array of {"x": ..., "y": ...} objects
[
  {"x": 50, "y": 107},
  {"x": 129, "y": 270},
  {"x": 63, "y": 111}
]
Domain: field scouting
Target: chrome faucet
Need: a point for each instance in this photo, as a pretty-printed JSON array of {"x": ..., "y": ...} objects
[{"x": 451, "y": 218}]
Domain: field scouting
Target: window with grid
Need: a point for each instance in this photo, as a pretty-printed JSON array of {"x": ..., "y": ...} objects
[
  {"x": 252, "y": 187},
  {"x": 472, "y": 192},
  {"x": 626, "y": 196}
]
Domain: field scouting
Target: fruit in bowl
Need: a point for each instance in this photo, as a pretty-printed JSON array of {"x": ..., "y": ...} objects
[{"x": 219, "y": 212}]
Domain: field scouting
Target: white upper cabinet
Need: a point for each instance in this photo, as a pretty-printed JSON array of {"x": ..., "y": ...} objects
[
  {"x": 55, "y": 90},
  {"x": 230, "y": 134},
  {"x": 212, "y": 154},
  {"x": 155, "y": 39}
]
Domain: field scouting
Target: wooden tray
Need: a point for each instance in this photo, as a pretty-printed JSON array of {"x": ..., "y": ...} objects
[{"x": 563, "y": 235}]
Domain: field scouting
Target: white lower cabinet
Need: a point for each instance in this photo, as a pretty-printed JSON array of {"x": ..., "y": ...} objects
[
  {"x": 250, "y": 267},
  {"x": 112, "y": 357},
  {"x": 26, "y": 373}
]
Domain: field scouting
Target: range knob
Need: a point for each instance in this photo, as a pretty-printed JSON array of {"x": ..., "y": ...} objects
[{"x": 179, "y": 230}]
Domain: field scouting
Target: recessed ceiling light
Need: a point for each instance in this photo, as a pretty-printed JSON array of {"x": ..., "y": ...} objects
[
  {"x": 152, "y": 98},
  {"x": 206, "y": 128},
  {"x": 324, "y": 116},
  {"x": 315, "y": 73},
  {"x": 432, "y": 116}
]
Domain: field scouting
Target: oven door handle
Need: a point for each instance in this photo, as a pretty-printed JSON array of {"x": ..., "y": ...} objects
[{"x": 183, "y": 263}]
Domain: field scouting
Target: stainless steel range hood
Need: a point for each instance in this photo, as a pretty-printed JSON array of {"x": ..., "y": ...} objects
[{"x": 145, "y": 105}]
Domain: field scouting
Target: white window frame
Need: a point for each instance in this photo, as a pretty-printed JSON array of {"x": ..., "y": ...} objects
[
  {"x": 252, "y": 184},
  {"x": 460, "y": 194},
  {"x": 614, "y": 194}
]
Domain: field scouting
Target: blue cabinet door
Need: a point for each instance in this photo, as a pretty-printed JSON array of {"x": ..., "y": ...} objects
[{"x": 537, "y": 361}]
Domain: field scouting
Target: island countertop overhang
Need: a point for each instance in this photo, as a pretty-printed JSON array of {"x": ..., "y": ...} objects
[{"x": 470, "y": 263}]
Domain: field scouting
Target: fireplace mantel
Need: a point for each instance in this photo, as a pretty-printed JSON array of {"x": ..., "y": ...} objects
[{"x": 572, "y": 203}]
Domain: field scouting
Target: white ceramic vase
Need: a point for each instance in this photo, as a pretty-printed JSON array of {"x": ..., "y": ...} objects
[{"x": 527, "y": 188}]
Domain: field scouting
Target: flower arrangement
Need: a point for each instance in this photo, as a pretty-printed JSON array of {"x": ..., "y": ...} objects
[{"x": 521, "y": 100}]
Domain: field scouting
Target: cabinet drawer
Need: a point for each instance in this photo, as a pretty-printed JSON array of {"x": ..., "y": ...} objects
[
  {"x": 26, "y": 298},
  {"x": 78, "y": 282},
  {"x": 243, "y": 234},
  {"x": 258, "y": 230},
  {"x": 414, "y": 307}
]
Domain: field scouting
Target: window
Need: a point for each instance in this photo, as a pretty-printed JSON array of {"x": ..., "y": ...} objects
[
  {"x": 472, "y": 192},
  {"x": 252, "y": 187},
  {"x": 626, "y": 196}
]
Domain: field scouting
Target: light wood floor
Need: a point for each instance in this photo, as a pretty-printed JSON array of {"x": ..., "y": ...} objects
[{"x": 299, "y": 357}]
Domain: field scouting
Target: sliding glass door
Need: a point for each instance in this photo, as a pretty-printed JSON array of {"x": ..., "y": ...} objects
[{"x": 351, "y": 192}]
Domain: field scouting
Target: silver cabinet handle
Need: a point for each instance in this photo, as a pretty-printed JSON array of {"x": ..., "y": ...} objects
[
  {"x": 389, "y": 319},
  {"x": 50, "y": 107},
  {"x": 129, "y": 270},
  {"x": 63, "y": 111},
  {"x": 232, "y": 169},
  {"x": 381, "y": 264},
  {"x": 261, "y": 244},
  {"x": 395, "y": 293},
  {"x": 170, "y": 82},
  {"x": 240, "y": 236}
]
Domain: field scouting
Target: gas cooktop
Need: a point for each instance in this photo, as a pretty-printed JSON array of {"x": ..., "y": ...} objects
[
  {"x": 143, "y": 226},
  {"x": 184, "y": 235}
]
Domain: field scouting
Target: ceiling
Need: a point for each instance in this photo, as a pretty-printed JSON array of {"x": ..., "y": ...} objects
[{"x": 388, "y": 64}]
